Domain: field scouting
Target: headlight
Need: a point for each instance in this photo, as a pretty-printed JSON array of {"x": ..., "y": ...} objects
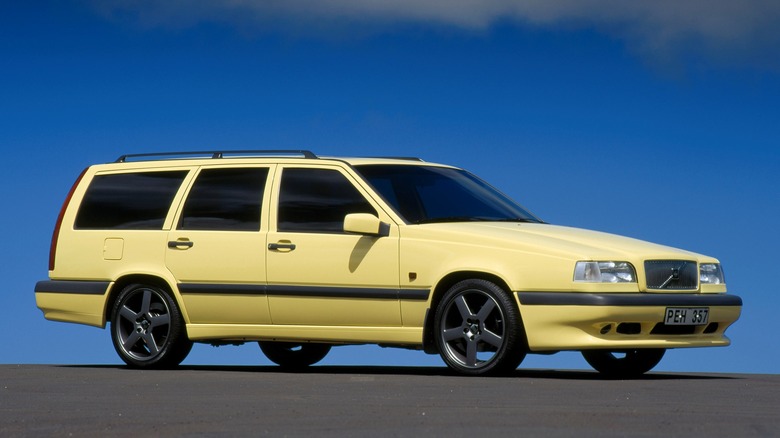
[
  {"x": 604, "y": 272},
  {"x": 711, "y": 273}
]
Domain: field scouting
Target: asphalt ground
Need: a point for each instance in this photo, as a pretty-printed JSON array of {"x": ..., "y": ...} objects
[{"x": 83, "y": 400}]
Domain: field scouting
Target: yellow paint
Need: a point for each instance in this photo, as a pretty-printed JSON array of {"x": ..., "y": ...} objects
[
  {"x": 519, "y": 256},
  {"x": 80, "y": 309},
  {"x": 578, "y": 327}
]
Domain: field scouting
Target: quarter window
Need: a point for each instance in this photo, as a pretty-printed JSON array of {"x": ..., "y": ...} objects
[
  {"x": 129, "y": 201},
  {"x": 225, "y": 199},
  {"x": 317, "y": 200}
]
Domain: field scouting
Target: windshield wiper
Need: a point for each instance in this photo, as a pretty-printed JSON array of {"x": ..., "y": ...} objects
[
  {"x": 471, "y": 219},
  {"x": 516, "y": 219},
  {"x": 451, "y": 219}
]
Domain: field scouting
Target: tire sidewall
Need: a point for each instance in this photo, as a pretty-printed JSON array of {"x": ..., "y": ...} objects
[
  {"x": 176, "y": 346},
  {"x": 282, "y": 353},
  {"x": 634, "y": 364},
  {"x": 512, "y": 350}
]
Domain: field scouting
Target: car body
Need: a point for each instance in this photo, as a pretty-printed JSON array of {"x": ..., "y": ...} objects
[{"x": 301, "y": 253}]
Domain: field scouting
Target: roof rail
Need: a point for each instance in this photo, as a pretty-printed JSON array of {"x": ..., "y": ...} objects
[
  {"x": 218, "y": 154},
  {"x": 402, "y": 158}
]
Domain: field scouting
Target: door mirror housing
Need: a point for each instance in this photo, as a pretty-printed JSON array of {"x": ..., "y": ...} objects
[{"x": 366, "y": 224}]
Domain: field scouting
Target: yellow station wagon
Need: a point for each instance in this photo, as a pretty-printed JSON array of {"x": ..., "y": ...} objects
[{"x": 301, "y": 253}]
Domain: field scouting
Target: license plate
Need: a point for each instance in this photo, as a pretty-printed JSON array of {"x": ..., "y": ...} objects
[{"x": 687, "y": 315}]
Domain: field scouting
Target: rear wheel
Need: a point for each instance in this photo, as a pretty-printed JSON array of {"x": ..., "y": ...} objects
[
  {"x": 624, "y": 364},
  {"x": 147, "y": 328},
  {"x": 294, "y": 355},
  {"x": 479, "y": 330}
]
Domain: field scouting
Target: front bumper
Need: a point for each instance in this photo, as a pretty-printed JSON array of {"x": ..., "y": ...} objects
[{"x": 557, "y": 321}]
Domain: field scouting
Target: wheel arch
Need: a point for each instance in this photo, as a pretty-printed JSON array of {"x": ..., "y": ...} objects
[
  {"x": 449, "y": 280},
  {"x": 128, "y": 279}
]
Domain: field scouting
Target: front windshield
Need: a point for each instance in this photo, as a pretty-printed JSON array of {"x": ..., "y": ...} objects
[{"x": 425, "y": 194}]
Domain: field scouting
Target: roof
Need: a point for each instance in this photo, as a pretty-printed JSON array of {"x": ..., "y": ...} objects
[{"x": 271, "y": 155}]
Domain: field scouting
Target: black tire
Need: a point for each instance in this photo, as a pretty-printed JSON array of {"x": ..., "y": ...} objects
[
  {"x": 478, "y": 329},
  {"x": 294, "y": 355},
  {"x": 624, "y": 364},
  {"x": 147, "y": 328}
]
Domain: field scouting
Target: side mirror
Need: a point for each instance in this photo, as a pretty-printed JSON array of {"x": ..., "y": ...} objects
[{"x": 366, "y": 224}]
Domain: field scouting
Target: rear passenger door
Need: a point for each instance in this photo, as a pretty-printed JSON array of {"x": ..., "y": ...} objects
[
  {"x": 318, "y": 275},
  {"x": 216, "y": 249}
]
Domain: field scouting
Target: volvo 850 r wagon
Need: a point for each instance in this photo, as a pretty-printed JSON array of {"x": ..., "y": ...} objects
[{"x": 301, "y": 253}]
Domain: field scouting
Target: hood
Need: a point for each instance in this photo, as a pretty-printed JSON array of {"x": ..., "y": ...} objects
[{"x": 563, "y": 241}]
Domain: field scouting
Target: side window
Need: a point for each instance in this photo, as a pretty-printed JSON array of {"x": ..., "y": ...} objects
[
  {"x": 316, "y": 200},
  {"x": 129, "y": 201},
  {"x": 225, "y": 199}
]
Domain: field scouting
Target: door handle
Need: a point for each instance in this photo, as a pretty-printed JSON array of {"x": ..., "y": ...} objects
[
  {"x": 180, "y": 243},
  {"x": 278, "y": 246}
]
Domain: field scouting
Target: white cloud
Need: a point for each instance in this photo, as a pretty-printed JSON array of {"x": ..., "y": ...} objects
[{"x": 655, "y": 28}]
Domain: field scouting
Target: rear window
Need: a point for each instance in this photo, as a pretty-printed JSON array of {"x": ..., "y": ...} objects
[{"x": 129, "y": 201}]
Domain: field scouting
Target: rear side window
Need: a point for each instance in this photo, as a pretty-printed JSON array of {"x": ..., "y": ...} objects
[
  {"x": 225, "y": 199},
  {"x": 316, "y": 200},
  {"x": 129, "y": 201}
]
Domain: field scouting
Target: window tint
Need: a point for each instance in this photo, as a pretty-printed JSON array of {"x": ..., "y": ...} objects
[
  {"x": 316, "y": 200},
  {"x": 129, "y": 201},
  {"x": 225, "y": 199},
  {"x": 436, "y": 194}
]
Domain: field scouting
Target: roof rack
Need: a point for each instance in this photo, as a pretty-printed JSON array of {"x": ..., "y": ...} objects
[
  {"x": 402, "y": 158},
  {"x": 218, "y": 154}
]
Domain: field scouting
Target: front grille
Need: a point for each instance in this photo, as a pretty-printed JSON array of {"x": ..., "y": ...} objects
[{"x": 671, "y": 274}]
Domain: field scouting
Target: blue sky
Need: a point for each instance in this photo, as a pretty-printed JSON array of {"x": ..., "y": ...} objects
[{"x": 657, "y": 120}]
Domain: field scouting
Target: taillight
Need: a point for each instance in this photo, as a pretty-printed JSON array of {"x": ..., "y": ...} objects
[{"x": 56, "y": 235}]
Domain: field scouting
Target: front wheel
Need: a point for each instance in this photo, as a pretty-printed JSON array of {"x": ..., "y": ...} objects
[
  {"x": 624, "y": 364},
  {"x": 478, "y": 329},
  {"x": 294, "y": 355},
  {"x": 147, "y": 328}
]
